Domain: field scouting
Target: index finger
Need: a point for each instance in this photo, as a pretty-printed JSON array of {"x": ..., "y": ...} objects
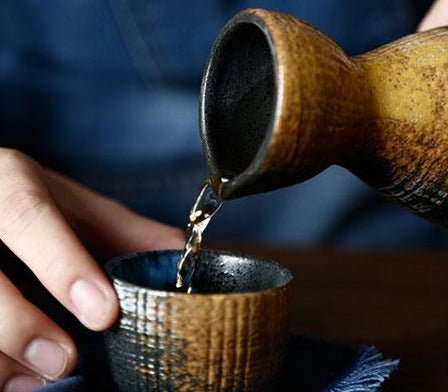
[{"x": 36, "y": 231}]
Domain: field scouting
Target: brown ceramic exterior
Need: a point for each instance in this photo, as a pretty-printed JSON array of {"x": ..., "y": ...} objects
[
  {"x": 383, "y": 115},
  {"x": 170, "y": 341}
]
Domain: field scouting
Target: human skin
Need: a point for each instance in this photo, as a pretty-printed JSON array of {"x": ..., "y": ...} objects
[
  {"x": 51, "y": 223},
  {"x": 437, "y": 16}
]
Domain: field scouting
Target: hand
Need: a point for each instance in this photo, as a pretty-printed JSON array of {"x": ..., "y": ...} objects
[
  {"x": 437, "y": 16},
  {"x": 43, "y": 219}
]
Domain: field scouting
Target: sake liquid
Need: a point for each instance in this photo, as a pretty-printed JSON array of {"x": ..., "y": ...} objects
[{"x": 204, "y": 207}]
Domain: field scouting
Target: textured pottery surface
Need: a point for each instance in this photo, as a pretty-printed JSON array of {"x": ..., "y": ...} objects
[
  {"x": 280, "y": 102},
  {"x": 232, "y": 336}
]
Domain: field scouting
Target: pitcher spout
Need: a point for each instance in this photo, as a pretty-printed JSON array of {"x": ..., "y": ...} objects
[{"x": 272, "y": 103}]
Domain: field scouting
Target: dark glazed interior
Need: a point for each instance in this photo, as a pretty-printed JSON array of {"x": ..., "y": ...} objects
[
  {"x": 238, "y": 99},
  {"x": 217, "y": 272}
]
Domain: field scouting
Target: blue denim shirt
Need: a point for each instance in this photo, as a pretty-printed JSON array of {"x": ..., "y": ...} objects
[{"x": 106, "y": 92}]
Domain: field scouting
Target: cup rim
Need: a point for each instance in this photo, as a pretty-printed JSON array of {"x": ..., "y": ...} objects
[{"x": 110, "y": 264}]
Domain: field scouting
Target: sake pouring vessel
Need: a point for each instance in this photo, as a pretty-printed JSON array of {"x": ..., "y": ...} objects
[{"x": 280, "y": 102}]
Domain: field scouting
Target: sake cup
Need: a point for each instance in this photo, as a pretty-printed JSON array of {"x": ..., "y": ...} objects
[{"x": 230, "y": 334}]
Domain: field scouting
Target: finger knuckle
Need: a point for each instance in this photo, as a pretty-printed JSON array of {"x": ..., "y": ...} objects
[
  {"x": 111, "y": 203},
  {"x": 19, "y": 210},
  {"x": 11, "y": 158}
]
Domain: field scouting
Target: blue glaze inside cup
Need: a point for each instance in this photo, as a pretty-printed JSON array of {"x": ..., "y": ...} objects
[{"x": 216, "y": 272}]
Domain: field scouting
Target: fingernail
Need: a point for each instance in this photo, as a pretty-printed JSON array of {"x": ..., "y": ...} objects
[
  {"x": 22, "y": 384},
  {"x": 90, "y": 301},
  {"x": 47, "y": 357}
]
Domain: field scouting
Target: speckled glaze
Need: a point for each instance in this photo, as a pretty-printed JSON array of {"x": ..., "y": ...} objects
[
  {"x": 383, "y": 115},
  {"x": 232, "y": 336}
]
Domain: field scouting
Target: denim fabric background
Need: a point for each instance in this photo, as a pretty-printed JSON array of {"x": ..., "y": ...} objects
[{"x": 106, "y": 91}]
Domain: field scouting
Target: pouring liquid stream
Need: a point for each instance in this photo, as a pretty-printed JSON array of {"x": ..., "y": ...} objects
[{"x": 204, "y": 208}]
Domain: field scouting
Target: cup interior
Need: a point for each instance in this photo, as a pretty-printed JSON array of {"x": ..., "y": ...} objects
[{"x": 216, "y": 272}]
